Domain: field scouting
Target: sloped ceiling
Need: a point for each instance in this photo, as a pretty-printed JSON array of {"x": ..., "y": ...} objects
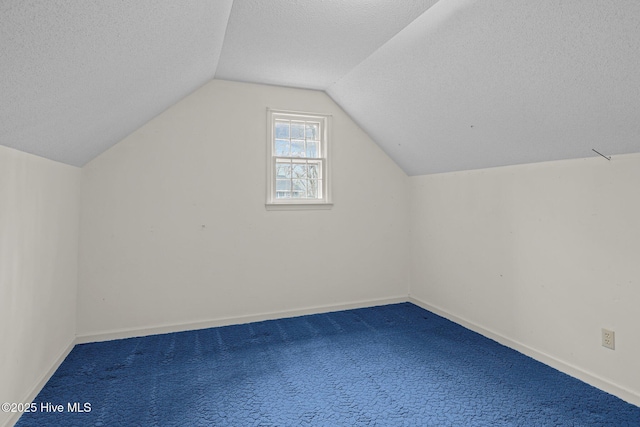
[
  {"x": 446, "y": 86},
  {"x": 475, "y": 84},
  {"x": 309, "y": 44},
  {"x": 77, "y": 76}
]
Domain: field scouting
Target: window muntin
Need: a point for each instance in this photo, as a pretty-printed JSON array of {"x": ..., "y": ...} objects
[
  {"x": 298, "y": 156},
  {"x": 298, "y": 178}
]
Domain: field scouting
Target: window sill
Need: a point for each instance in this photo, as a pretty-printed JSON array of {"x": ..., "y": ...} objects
[{"x": 298, "y": 206}]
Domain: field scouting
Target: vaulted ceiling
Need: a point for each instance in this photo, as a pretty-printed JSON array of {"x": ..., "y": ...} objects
[{"x": 440, "y": 85}]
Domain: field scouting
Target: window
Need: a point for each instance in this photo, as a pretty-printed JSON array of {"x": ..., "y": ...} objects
[{"x": 298, "y": 170}]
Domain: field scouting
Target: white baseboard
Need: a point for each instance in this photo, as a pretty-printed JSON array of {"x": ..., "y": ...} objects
[
  {"x": 33, "y": 392},
  {"x": 137, "y": 332},
  {"x": 569, "y": 369},
  {"x": 165, "y": 329}
]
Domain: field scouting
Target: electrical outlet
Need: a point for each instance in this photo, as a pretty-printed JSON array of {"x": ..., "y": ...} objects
[{"x": 608, "y": 339}]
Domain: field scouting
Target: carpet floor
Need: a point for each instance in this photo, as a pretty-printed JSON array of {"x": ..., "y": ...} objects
[{"x": 394, "y": 365}]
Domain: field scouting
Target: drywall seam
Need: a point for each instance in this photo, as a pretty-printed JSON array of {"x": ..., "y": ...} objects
[
  {"x": 37, "y": 387},
  {"x": 567, "y": 368},
  {"x": 181, "y": 327}
]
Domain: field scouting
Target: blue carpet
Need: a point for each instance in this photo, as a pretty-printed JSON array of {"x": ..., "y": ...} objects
[{"x": 395, "y": 365}]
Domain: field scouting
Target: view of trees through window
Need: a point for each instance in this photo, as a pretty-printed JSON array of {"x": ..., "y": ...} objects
[{"x": 298, "y": 159}]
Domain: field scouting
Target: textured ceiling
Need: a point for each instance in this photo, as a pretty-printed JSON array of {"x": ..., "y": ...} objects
[
  {"x": 77, "y": 76},
  {"x": 459, "y": 84},
  {"x": 308, "y": 44},
  {"x": 476, "y": 84}
]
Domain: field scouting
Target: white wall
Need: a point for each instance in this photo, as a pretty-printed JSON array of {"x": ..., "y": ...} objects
[
  {"x": 542, "y": 256},
  {"x": 173, "y": 231},
  {"x": 39, "y": 217},
  {"x": 174, "y": 228}
]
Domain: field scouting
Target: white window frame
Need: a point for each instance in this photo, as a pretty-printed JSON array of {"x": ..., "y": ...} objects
[{"x": 274, "y": 203}]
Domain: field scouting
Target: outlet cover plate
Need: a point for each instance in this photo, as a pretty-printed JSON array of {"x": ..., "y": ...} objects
[{"x": 608, "y": 339}]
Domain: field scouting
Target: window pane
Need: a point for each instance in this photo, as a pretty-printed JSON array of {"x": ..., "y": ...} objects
[
  {"x": 282, "y": 147},
  {"x": 283, "y": 185},
  {"x": 299, "y": 170},
  {"x": 300, "y": 188},
  {"x": 312, "y": 188},
  {"x": 312, "y": 131},
  {"x": 283, "y": 170},
  {"x": 297, "y": 148},
  {"x": 312, "y": 149},
  {"x": 297, "y": 130},
  {"x": 282, "y": 130},
  {"x": 314, "y": 170}
]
